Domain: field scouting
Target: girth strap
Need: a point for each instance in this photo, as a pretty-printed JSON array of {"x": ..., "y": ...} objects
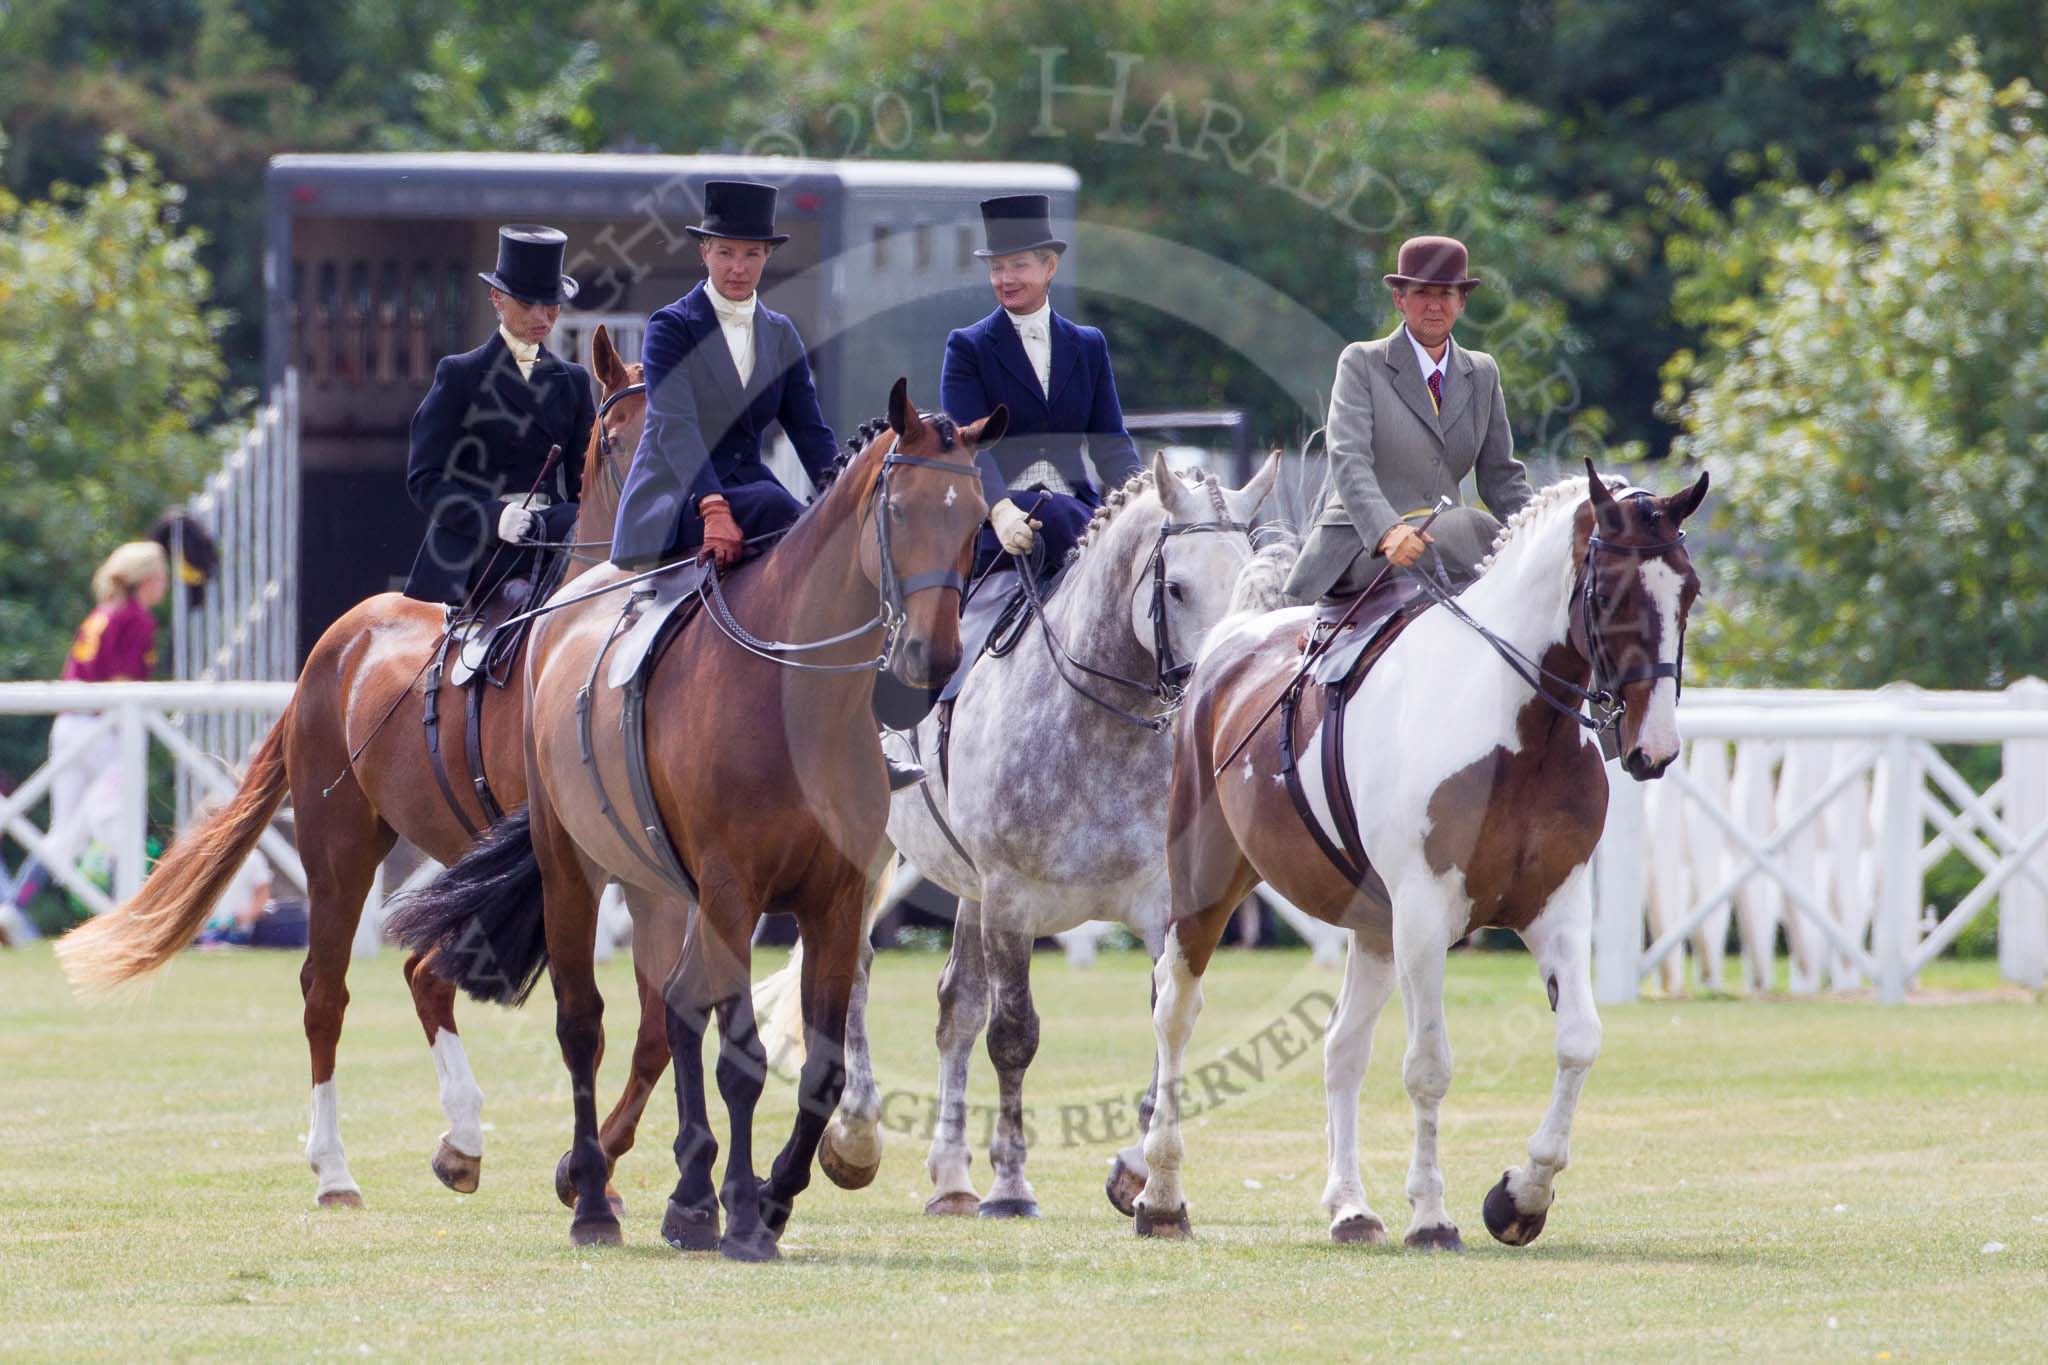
[
  {"x": 931, "y": 803},
  {"x": 430, "y": 715},
  {"x": 664, "y": 862},
  {"x": 1352, "y": 870},
  {"x": 473, "y": 745}
]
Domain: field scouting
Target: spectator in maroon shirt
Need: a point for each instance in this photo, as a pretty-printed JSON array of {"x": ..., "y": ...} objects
[{"x": 115, "y": 643}]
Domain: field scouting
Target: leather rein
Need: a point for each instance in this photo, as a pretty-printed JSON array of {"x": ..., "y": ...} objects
[
  {"x": 896, "y": 590},
  {"x": 1603, "y": 699},
  {"x": 1169, "y": 673}
]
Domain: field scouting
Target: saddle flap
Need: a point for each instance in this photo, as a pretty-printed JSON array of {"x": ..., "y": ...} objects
[
  {"x": 1347, "y": 644},
  {"x": 671, "y": 590}
]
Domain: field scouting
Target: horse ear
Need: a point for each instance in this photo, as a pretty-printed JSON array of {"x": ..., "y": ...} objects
[
  {"x": 1605, "y": 512},
  {"x": 605, "y": 362},
  {"x": 1172, "y": 492},
  {"x": 1250, "y": 498},
  {"x": 1683, "y": 505},
  {"x": 903, "y": 416},
  {"x": 989, "y": 429}
]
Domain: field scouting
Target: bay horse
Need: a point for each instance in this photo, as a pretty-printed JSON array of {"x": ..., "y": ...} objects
[
  {"x": 1038, "y": 836},
  {"x": 361, "y": 687},
  {"x": 1479, "y": 796},
  {"x": 768, "y": 792}
]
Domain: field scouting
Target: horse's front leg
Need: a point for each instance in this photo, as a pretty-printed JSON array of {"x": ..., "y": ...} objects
[
  {"x": 1347, "y": 1052},
  {"x": 1012, "y": 1043},
  {"x": 1127, "y": 1170},
  {"x": 1423, "y": 919},
  {"x": 963, "y": 1009},
  {"x": 571, "y": 916},
  {"x": 832, "y": 934},
  {"x": 850, "y": 1153},
  {"x": 1561, "y": 940}
]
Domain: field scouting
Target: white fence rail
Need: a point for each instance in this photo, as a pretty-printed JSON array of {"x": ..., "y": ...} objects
[
  {"x": 1818, "y": 815},
  {"x": 245, "y": 627},
  {"x": 114, "y": 810}
]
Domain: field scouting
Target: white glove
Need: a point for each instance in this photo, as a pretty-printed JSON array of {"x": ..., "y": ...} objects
[
  {"x": 1016, "y": 531},
  {"x": 515, "y": 524}
]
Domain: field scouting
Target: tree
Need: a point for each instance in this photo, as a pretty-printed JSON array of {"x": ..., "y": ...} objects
[
  {"x": 1289, "y": 140},
  {"x": 1876, "y": 410},
  {"x": 109, "y": 371}
]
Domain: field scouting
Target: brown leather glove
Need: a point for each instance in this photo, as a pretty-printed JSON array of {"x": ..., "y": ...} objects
[
  {"x": 1402, "y": 544},
  {"x": 722, "y": 539}
]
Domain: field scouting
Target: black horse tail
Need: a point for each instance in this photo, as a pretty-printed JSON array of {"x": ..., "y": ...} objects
[{"x": 480, "y": 923}]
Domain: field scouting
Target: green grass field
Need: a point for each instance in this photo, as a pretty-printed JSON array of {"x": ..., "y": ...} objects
[{"x": 1756, "y": 1180}]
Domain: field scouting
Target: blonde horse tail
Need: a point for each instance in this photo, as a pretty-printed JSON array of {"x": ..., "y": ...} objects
[
  {"x": 779, "y": 999},
  {"x": 147, "y": 930}
]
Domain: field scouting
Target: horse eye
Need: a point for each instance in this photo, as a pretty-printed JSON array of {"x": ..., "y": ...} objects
[
  {"x": 1173, "y": 590},
  {"x": 1603, "y": 601}
]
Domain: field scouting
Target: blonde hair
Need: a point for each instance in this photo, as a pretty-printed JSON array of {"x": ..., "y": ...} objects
[{"x": 128, "y": 568}]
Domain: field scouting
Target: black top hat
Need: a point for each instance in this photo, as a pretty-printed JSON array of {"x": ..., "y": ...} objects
[
  {"x": 741, "y": 210},
  {"x": 530, "y": 264},
  {"x": 1018, "y": 222}
]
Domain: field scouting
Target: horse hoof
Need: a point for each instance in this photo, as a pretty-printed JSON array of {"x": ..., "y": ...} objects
[
  {"x": 760, "y": 1247},
  {"x": 565, "y": 1184},
  {"x": 1167, "y": 1227},
  {"x": 341, "y": 1199},
  {"x": 1009, "y": 1208},
  {"x": 840, "y": 1171},
  {"x": 1359, "y": 1230},
  {"x": 1444, "y": 1238},
  {"x": 458, "y": 1171},
  {"x": 688, "y": 1229},
  {"x": 1123, "y": 1188},
  {"x": 1507, "y": 1223},
  {"x": 953, "y": 1204},
  {"x": 601, "y": 1231}
]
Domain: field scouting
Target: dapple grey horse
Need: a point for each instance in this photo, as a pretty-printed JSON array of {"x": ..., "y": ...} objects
[{"x": 1057, "y": 794}]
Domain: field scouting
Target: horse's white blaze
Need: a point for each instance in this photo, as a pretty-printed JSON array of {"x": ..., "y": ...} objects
[
  {"x": 323, "y": 1142},
  {"x": 1658, "y": 737},
  {"x": 462, "y": 1099}
]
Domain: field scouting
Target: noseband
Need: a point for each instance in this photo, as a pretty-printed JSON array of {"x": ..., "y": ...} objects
[{"x": 1607, "y": 682}]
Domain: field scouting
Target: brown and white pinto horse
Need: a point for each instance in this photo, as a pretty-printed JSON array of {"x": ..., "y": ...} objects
[
  {"x": 1478, "y": 801},
  {"x": 365, "y": 665},
  {"x": 767, "y": 776}
]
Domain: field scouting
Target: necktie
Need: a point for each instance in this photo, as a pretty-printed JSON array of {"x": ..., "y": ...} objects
[{"x": 1436, "y": 389}]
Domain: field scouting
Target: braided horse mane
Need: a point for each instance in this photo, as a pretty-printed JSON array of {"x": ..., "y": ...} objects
[
  {"x": 1120, "y": 498},
  {"x": 947, "y": 430},
  {"x": 1539, "y": 508}
]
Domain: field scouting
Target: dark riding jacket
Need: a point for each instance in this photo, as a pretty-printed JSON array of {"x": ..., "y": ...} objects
[
  {"x": 986, "y": 365},
  {"x": 479, "y": 440},
  {"x": 704, "y": 430}
]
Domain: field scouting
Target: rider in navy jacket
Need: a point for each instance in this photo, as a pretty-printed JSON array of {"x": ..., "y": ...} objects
[
  {"x": 1055, "y": 377},
  {"x": 698, "y": 479}
]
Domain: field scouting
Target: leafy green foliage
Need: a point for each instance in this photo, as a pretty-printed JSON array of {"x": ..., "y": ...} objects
[
  {"x": 109, "y": 372},
  {"x": 1877, "y": 417}
]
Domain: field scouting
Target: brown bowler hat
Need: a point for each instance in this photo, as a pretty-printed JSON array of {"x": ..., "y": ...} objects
[{"x": 1432, "y": 260}]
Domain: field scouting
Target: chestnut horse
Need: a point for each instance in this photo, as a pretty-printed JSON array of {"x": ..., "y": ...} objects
[
  {"x": 1479, "y": 796},
  {"x": 769, "y": 791},
  {"x": 361, "y": 687}
]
